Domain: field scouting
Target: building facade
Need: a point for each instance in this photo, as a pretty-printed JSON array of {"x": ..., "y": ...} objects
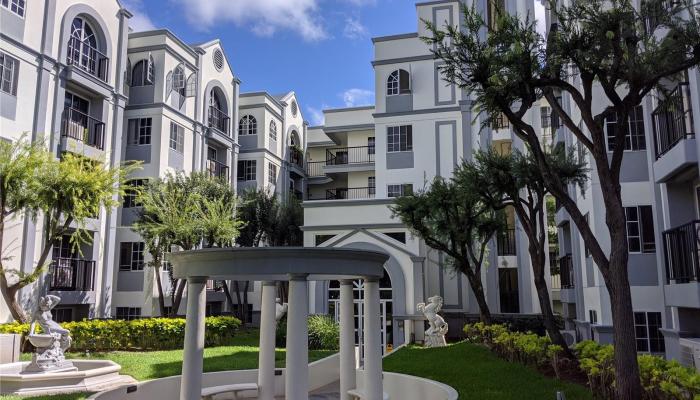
[{"x": 660, "y": 183}]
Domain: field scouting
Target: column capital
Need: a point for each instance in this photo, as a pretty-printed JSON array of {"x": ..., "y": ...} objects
[
  {"x": 298, "y": 277},
  {"x": 371, "y": 279},
  {"x": 197, "y": 279},
  {"x": 346, "y": 281},
  {"x": 268, "y": 283}
]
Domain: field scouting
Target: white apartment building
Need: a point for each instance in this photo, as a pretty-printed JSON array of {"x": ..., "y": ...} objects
[
  {"x": 361, "y": 158},
  {"x": 660, "y": 182}
]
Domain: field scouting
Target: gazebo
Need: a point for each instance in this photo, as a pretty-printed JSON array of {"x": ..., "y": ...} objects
[{"x": 298, "y": 265}]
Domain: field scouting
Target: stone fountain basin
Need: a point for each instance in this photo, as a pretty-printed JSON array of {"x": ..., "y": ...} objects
[
  {"x": 41, "y": 340},
  {"x": 91, "y": 375}
]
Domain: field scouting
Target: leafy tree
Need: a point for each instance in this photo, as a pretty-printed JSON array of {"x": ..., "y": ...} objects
[
  {"x": 63, "y": 194},
  {"x": 514, "y": 180},
  {"x": 452, "y": 218},
  {"x": 609, "y": 47},
  {"x": 186, "y": 211}
]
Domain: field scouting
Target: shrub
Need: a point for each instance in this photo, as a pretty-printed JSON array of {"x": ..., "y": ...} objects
[
  {"x": 324, "y": 333},
  {"x": 139, "y": 334}
]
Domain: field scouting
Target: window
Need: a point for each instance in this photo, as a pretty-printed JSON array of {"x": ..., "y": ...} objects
[
  {"x": 635, "y": 139},
  {"x": 399, "y": 82},
  {"x": 295, "y": 108},
  {"x": 398, "y": 236},
  {"x": 9, "y": 68},
  {"x": 218, "y": 59},
  {"x": 247, "y": 170},
  {"x": 545, "y": 116},
  {"x": 128, "y": 313},
  {"x": 399, "y": 138},
  {"x": 372, "y": 185},
  {"x": 62, "y": 314},
  {"x": 319, "y": 239},
  {"x": 640, "y": 229},
  {"x": 500, "y": 121},
  {"x": 272, "y": 174},
  {"x": 370, "y": 145},
  {"x": 142, "y": 73},
  {"x": 82, "y": 46},
  {"x": 131, "y": 256},
  {"x": 177, "y": 137},
  {"x": 399, "y": 190},
  {"x": 179, "y": 80},
  {"x": 647, "y": 327},
  {"x": 555, "y": 121},
  {"x": 248, "y": 125},
  {"x": 273, "y": 130},
  {"x": 16, "y": 6},
  {"x": 131, "y": 191},
  {"x": 140, "y": 131}
]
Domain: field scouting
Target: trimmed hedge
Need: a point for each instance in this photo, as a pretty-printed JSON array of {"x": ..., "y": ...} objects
[
  {"x": 324, "y": 333},
  {"x": 661, "y": 379},
  {"x": 139, "y": 334}
]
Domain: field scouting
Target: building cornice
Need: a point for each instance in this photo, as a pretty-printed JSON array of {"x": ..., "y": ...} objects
[
  {"x": 395, "y": 37},
  {"x": 422, "y": 111},
  {"x": 402, "y": 60}
]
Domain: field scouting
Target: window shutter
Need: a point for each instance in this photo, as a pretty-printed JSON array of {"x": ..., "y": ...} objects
[
  {"x": 149, "y": 70},
  {"x": 127, "y": 77},
  {"x": 404, "y": 81},
  {"x": 125, "y": 256},
  {"x": 168, "y": 84},
  {"x": 191, "y": 88}
]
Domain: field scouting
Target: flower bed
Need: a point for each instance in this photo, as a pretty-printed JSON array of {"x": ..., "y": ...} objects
[
  {"x": 138, "y": 334},
  {"x": 661, "y": 379}
]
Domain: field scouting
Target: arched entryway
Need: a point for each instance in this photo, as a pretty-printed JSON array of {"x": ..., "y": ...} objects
[{"x": 385, "y": 309}]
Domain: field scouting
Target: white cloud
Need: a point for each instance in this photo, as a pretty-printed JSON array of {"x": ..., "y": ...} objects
[
  {"x": 140, "y": 21},
  {"x": 315, "y": 115},
  {"x": 263, "y": 17},
  {"x": 361, "y": 3},
  {"x": 354, "y": 29},
  {"x": 357, "y": 97}
]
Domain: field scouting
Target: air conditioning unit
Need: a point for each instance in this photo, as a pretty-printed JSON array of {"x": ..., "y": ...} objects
[
  {"x": 569, "y": 337},
  {"x": 690, "y": 352}
]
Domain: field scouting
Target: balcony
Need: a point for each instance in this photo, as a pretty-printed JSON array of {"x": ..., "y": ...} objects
[
  {"x": 72, "y": 274},
  {"x": 673, "y": 120},
  {"x": 82, "y": 55},
  {"x": 355, "y": 193},
  {"x": 219, "y": 120},
  {"x": 214, "y": 285},
  {"x": 682, "y": 251},
  {"x": 506, "y": 242},
  {"x": 217, "y": 169},
  {"x": 314, "y": 169},
  {"x": 350, "y": 155},
  {"x": 296, "y": 157},
  {"x": 566, "y": 272},
  {"x": 83, "y": 128}
]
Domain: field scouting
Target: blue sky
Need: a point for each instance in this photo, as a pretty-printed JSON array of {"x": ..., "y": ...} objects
[{"x": 321, "y": 49}]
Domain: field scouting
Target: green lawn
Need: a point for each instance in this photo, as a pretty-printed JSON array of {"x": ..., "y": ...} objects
[{"x": 476, "y": 373}]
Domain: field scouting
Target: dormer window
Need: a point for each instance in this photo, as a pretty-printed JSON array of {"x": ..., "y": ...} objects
[{"x": 399, "y": 82}]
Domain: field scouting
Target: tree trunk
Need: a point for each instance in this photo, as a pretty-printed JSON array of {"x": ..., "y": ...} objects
[
  {"x": 237, "y": 288},
  {"x": 177, "y": 299},
  {"x": 478, "y": 289},
  {"x": 159, "y": 285},
  {"x": 227, "y": 292},
  {"x": 9, "y": 294},
  {"x": 244, "y": 310}
]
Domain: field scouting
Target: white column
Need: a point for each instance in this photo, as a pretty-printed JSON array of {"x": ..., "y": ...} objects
[
  {"x": 266, "y": 357},
  {"x": 296, "y": 385},
  {"x": 373, "y": 344},
  {"x": 193, "y": 357},
  {"x": 347, "y": 339}
]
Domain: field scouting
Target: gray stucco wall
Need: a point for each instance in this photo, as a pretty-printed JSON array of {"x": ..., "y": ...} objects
[
  {"x": 138, "y": 152},
  {"x": 130, "y": 281},
  {"x": 634, "y": 167},
  {"x": 141, "y": 94},
  {"x": 402, "y": 159},
  {"x": 399, "y": 103},
  {"x": 248, "y": 141},
  {"x": 642, "y": 269},
  {"x": 12, "y": 24},
  {"x": 8, "y": 105},
  {"x": 175, "y": 160}
]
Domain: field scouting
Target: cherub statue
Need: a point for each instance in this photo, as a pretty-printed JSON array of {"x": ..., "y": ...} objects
[
  {"x": 54, "y": 340},
  {"x": 280, "y": 309},
  {"x": 435, "y": 334}
]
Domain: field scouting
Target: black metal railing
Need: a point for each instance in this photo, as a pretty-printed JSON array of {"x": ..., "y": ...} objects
[
  {"x": 72, "y": 274},
  {"x": 350, "y": 193},
  {"x": 219, "y": 120},
  {"x": 315, "y": 168},
  {"x": 84, "y": 56},
  {"x": 296, "y": 157},
  {"x": 82, "y": 127},
  {"x": 673, "y": 119},
  {"x": 214, "y": 285},
  {"x": 500, "y": 121},
  {"x": 350, "y": 155},
  {"x": 566, "y": 271},
  {"x": 682, "y": 251},
  {"x": 506, "y": 242},
  {"x": 217, "y": 169}
]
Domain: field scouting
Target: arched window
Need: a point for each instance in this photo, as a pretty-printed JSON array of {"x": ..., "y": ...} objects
[
  {"x": 82, "y": 45},
  {"x": 273, "y": 130},
  {"x": 179, "y": 80},
  {"x": 218, "y": 117},
  {"x": 399, "y": 82},
  {"x": 248, "y": 125},
  {"x": 294, "y": 139},
  {"x": 142, "y": 74}
]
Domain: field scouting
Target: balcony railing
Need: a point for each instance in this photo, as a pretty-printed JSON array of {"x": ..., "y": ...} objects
[
  {"x": 214, "y": 285},
  {"x": 219, "y": 120},
  {"x": 296, "y": 157},
  {"x": 84, "y": 56},
  {"x": 82, "y": 127},
  {"x": 506, "y": 242},
  {"x": 682, "y": 250},
  {"x": 217, "y": 169},
  {"x": 566, "y": 271},
  {"x": 351, "y": 193},
  {"x": 350, "y": 155},
  {"x": 72, "y": 274},
  {"x": 673, "y": 119},
  {"x": 315, "y": 168}
]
